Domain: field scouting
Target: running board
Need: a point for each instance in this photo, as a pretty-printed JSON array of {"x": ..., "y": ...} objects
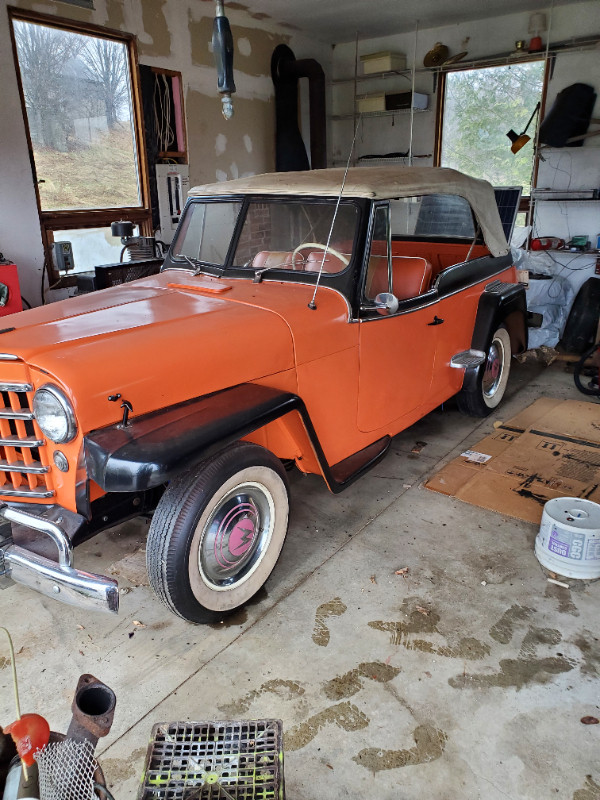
[
  {"x": 468, "y": 358},
  {"x": 347, "y": 471}
]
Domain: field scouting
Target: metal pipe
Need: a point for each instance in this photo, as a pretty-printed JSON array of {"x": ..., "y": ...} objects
[
  {"x": 93, "y": 710},
  {"x": 290, "y": 151},
  {"x": 293, "y": 69}
]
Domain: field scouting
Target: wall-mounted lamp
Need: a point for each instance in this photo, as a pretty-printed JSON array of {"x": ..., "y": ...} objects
[
  {"x": 519, "y": 140},
  {"x": 537, "y": 25}
]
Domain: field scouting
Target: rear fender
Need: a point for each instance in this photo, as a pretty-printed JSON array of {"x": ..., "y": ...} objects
[{"x": 499, "y": 304}]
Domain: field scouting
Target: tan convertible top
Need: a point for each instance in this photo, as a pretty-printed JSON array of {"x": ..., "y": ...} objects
[{"x": 376, "y": 183}]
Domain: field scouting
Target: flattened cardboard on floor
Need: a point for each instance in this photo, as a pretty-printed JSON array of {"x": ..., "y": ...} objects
[{"x": 551, "y": 449}]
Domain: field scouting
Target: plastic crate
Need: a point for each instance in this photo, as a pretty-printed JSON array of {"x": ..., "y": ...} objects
[{"x": 242, "y": 759}]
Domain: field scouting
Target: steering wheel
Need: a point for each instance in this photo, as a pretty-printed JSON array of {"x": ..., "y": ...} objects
[{"x": 345, "y": 261}]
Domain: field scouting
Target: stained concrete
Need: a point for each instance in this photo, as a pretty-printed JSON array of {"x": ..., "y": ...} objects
[{"x": 410, "y": 643}]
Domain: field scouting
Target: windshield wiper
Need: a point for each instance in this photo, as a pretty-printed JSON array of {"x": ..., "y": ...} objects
[
  {"x": 199, "y": 267},
  {"x": 193, "y": 262},
  {"x": 260, "y": 272}
]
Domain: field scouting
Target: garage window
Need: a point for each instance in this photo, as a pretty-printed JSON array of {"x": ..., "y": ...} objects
[
  {"x": 479, "y": 107},
  {"x": 82, "y": 113}
]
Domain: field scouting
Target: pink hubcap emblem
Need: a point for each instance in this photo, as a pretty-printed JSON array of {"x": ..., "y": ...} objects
[
  {"x": 241, "y": 537},
  {"x": 236, "y": 534}
]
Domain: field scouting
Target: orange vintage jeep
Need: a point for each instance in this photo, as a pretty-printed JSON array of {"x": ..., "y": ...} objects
[{"x": 293, "y": 321}]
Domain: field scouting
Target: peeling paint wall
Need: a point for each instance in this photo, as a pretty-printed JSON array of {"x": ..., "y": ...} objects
[
  {"x": 229, "y": 150},
  {"x": 115, "y": 14},
  {"x": 155, "y": 28},
  {"x": 172, "y": 34}
]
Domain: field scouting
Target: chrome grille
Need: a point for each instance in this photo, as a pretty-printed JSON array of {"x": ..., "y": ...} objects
[{"x": 24, "y": 467}]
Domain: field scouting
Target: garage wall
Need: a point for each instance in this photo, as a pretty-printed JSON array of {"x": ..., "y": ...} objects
[
  {"x": 173, "y": 34},
  {"x": 481, "y": 38},
  {"x": 564, "y": 168}
]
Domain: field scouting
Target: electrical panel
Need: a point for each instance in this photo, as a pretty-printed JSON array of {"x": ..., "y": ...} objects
[
  {"x": 63, "y": 256},
  {"x": 172, "y": 183}
]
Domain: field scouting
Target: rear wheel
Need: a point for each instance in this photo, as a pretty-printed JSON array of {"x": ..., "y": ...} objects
[
  {"x": 491, "y": 380},
  {"x": 217, "y": 533},
  {"x": 591, "y": 387}
]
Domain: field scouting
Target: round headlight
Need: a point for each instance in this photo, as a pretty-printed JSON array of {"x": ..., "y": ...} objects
[{"x": 54, "y": 414}]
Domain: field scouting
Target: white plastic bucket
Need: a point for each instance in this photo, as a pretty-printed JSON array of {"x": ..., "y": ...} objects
[{"x": 569, "y": 538}]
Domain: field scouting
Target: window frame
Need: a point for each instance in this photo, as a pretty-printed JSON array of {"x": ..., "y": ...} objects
[
  {"x": 367, "y": 304},
  {"x": 86, "y": 218},
  {"x": 525, "y": 202}
]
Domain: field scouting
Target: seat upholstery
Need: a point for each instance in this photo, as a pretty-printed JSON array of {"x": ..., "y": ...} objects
[
  {"x": 272, "y": 258},
  {"x": 411, "y": 276}
]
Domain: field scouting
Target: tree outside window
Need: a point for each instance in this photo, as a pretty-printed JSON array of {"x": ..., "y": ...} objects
[
  {"x": 79, "y": 111},
  {"x": 480, "y": 107}
]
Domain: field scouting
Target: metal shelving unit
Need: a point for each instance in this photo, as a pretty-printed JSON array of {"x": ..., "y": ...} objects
[{"x": 338, "y": 117}]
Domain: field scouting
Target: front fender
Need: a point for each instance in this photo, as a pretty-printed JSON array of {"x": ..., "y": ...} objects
[{"x": 153, "y": 448}]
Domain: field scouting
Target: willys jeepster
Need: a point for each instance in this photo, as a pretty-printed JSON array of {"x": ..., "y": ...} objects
[{"x": 299, "y": 318}]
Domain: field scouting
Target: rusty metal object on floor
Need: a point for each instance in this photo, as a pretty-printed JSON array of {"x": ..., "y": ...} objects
[{"x": 93, "y": 710}]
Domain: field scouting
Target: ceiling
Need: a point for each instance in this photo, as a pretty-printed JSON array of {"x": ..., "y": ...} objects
[{"x": 338, "y": 21}]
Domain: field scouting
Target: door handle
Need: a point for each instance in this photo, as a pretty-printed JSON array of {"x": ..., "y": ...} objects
[{"x": 436, "y": 321}]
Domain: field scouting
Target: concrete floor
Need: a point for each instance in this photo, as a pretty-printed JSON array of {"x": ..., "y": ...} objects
[{"x": 466, "y": 677}]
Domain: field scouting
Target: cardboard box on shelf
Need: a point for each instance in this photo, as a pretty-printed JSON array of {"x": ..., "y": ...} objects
[
  {"x": 371, "y": 103},
  {"x": 379, "y": 101},
  {"x": 383, "y": 62}
]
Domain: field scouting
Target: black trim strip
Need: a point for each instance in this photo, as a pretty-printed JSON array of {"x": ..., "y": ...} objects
[
  {"x": 156, "y": 447},
  {"x": 467, "y": 273},
  {"x": 561, "y": 438}
]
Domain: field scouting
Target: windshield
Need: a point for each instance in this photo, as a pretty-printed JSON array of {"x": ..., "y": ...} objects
[
  {"x": 205, "y": 232},
  {"x": 293, "y": 236},
  {"x": 275, "y": 234}
]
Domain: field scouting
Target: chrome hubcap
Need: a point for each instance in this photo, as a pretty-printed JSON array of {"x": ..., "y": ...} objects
[
  {"x": 493, "y": 369},
  {"x": 236, "y": 535}
]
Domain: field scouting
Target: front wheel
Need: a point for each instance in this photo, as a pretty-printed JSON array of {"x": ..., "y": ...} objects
[
  {"x": 217, "y": 533},
  {"x": 492, "y": 379}
]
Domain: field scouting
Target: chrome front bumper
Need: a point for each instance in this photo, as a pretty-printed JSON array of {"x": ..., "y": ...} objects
[{"x": 57, "y": 579}]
